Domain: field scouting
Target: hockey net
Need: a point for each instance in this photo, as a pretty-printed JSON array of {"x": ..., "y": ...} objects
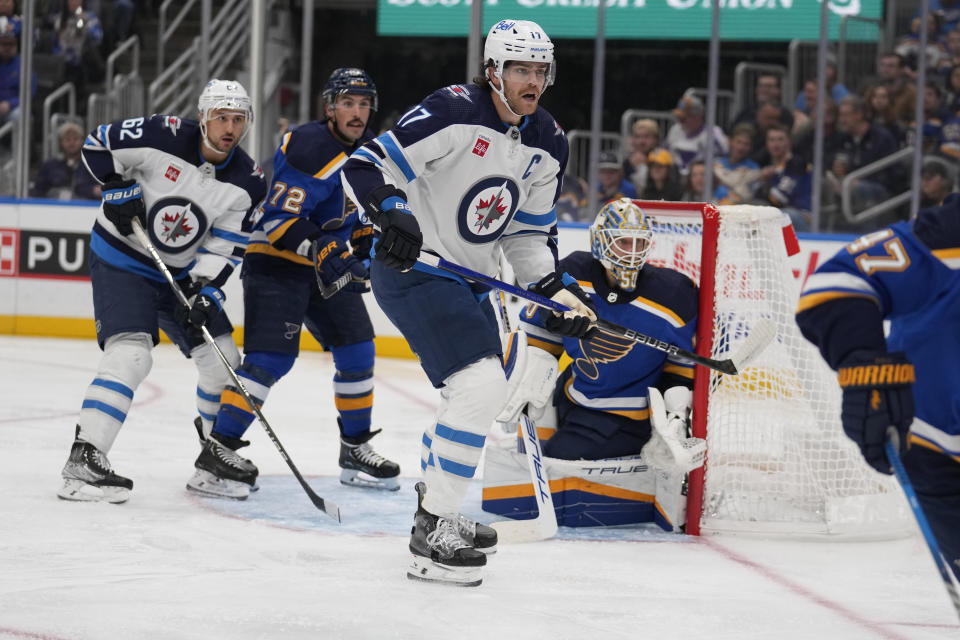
[{"x": 777, "y": 458}]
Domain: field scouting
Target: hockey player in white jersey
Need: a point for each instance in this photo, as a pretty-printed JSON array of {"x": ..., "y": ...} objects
[
  {"x": 194, "y": 191},
  {"x": 468, "y": 172}
]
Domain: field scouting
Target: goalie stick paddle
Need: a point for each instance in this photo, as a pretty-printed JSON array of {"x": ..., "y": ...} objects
[
  {"x": 761, "y": 333},
  {"x": 544, "y": 526},
  {"x": 328, "y": 507},
  {"x": 900, "y": 471}
]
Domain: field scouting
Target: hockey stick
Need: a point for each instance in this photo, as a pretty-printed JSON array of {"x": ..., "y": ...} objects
[
  {"x": 544, "y": 526},
  {"x": 761, "y": 334},
  {"x": 328, "y": 507},
  {"x": 893, "y": 456},
  {"x": 327, "y": 291}
]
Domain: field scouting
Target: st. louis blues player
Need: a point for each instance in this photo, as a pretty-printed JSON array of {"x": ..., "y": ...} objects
[
  {"x": 467, "y": 172},
  {"x": 909, "y": 274},
  {"x": 194, "y": 191},
  {"x": 306, "y": 207},
  {"x": 601, "y": 399}
]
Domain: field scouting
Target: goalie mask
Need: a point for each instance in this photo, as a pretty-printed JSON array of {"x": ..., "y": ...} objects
[
  {"x": 620, "y": 239},
  {"x": 350, "y": 80},
  {"x": 224, "y": 94},
  {"x": 521, "y": 41}
]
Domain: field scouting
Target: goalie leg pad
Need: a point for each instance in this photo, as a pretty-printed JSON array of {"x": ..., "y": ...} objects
[{"x": 125, "y": 363}]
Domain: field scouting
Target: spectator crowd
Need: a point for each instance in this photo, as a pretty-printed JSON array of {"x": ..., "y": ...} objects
[{"x": 764, "y": 155}]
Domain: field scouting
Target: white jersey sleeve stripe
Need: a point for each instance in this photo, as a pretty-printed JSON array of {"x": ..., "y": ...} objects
[{"x": 396, "y": 155}]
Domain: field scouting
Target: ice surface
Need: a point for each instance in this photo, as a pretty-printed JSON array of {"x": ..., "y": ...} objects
[{"x": 169, "y": 564}]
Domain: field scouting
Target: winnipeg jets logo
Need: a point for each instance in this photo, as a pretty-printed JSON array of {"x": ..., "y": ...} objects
[
  {"x": 487, "y": 208},
  {"x": 176, "y": 224},
  {"x": 490, "y": 210}
]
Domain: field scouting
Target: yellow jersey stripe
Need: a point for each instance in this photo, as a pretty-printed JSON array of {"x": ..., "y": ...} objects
[
  {"x": 331, "y": 166},
  {"x": 812, "y": 300}
]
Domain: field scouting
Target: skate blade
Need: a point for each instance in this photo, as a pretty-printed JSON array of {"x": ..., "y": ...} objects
[
  {"x": 426, "y": 570},
  {"x": 80, "y": 491},
  {"x": 354, "y": 478},
  {"x": 487, "y": 550},
  {"x": 207, "y": 484}
]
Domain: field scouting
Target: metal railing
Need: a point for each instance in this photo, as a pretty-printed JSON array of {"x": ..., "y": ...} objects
[
  {"x": 745, "y": 82},
  {"x": 175, "y": 89},
  {"x": 664, "y": 120},
  {"x": 8, "y": 168},
  {"x": 801, "y": 66},
  {"x": 173, "y": 92},
  {"x": 857, "y": 58},
  {"x": 164, "y": 31},
  {"x": 124, "y": 91},
  {"x": 52, "y": 121},
  {"x": 725, "y": 101},
  {"x": 579, "y": 141},
  {"x": 864, "y": 172}
]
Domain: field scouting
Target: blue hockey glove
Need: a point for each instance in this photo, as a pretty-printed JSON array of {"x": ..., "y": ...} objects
[
  {"x": 361, "y": 241},
  {"x": 877, "y": 394},
  {"x": 205, "y": 303},
  {"x": 122, "y": 202},
  {"x": 334, "y": 260},
  {"x": 565, "y": 290}
]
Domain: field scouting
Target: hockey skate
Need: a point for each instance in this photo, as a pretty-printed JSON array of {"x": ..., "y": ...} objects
[
  {"x": 479, "y": 536},
  {"x": 221, "y": 472},
  {"x": 87, "y": 476},
  {"x": 440, "y": 554},
  {"x": 361, "y": 466}
]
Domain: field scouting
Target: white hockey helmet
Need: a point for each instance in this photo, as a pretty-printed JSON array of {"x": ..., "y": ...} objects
[
  {"x": 520, "y": 40},
  {"x": 224, "y": 94},
  {"x": 620, "y": 239}
]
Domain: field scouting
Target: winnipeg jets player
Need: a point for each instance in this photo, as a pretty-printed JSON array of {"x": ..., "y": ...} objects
[
  {"x": 194, "y": 191},
  {"x": 306, "y": 208},
  {"x": 467, "y": 172}
]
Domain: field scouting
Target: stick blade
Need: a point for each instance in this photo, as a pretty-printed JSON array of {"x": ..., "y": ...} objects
[
  {"x": 761, "y": 335},
  {"x": 516, "y": 531}
]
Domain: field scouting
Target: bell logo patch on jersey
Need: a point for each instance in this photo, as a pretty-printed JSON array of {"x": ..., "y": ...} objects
[
  {"x": 481, "y": 145},
  {"x": 487, "y": 208},
  {"x": 172, "y": 173},
  {"x": 176, "y": 224}
]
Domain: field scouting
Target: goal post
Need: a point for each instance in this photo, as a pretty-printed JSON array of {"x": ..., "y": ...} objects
[{"x": 777, "y": 458}]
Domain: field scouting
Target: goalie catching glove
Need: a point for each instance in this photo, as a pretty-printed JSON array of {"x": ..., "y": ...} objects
[
  {"x": 669, "y": 446},
  {"x": 877, "y": 394},
  {"x": 562, "y": 288}
]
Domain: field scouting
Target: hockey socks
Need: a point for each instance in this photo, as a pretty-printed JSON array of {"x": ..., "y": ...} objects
[{"x": 353, "y": 386}]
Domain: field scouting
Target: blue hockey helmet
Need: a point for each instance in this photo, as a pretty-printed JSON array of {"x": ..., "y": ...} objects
[{"x": 350, "y": 80}]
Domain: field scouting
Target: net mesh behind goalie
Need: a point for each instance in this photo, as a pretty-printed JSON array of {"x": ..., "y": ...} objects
[{"x": 777, "y": 457}]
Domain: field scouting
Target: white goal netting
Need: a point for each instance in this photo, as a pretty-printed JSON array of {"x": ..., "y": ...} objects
[{"x": 778, "y": 460}]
